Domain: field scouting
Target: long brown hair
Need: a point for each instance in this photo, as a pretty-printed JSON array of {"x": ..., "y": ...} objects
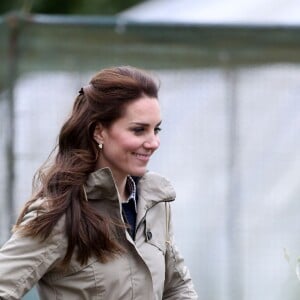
[{"x": 61, "y": 184}]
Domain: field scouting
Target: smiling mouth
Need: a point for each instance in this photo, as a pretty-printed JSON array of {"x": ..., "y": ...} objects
[{"x": 142, "y": 156}]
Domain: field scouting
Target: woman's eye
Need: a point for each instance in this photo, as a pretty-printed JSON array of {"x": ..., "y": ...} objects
[
  {"x": 157, "y": 130},
  {"x": 138, "y": 130},
  {"x": 141, "y": 130}
]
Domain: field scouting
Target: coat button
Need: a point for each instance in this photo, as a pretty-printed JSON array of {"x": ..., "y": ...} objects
[{"x": 149, "y": 235}]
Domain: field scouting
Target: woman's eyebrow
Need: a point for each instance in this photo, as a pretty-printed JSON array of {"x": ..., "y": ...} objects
[{"x": 144, "y": 124}]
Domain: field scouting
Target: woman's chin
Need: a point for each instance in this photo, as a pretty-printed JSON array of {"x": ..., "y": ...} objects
[{"x": 139, "y": 172}]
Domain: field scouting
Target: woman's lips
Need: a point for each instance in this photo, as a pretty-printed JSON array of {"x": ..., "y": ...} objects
[{"x": 143, "y": 157}]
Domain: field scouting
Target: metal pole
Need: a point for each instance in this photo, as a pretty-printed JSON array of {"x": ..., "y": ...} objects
[
  {"x": 13, "y": 24},
  {"x": 233, "y": 224}
]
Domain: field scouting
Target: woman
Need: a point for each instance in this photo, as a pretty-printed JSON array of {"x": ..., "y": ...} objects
[{"x": 98, "y": 225}]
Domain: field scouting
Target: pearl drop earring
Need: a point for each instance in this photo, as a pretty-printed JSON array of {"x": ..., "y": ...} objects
[{"x": 100, "y": 146}]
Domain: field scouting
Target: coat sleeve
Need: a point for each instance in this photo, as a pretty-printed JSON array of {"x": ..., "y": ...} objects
[
  {"x": 178, "y": 282},
  {"x": 24, "y": 260}
]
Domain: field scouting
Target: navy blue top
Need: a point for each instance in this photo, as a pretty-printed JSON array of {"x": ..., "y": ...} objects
[{"x": 129, "y": 208}]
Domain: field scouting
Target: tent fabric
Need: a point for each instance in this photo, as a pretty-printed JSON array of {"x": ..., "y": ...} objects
[{"x": 216, "y": 11}]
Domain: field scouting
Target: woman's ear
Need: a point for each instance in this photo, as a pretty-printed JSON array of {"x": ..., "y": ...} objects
[{"x": 99, "y": 133}]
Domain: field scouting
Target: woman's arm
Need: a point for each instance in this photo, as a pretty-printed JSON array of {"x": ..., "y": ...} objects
[{"x": 24, "y": 260}]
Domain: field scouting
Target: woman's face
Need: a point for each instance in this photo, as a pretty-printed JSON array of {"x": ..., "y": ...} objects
[{"x": 131, "y": 140}]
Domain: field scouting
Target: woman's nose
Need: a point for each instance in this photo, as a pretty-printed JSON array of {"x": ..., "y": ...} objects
[{"x": 152, "y": 142}]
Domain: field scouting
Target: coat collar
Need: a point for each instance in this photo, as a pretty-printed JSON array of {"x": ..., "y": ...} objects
[
  {"x": 151, "y": 187},
  {"x": 155, "y": 188},
  {"x": 101, "y": 185}
]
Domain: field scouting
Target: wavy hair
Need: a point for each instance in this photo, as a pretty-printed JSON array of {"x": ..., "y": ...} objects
[{"x": 61, "y": 179}]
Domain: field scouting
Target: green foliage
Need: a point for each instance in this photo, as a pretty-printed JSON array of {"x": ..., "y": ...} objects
[
  {"x": 9, "y": 5},
  {"x": 79, "y": 7}
]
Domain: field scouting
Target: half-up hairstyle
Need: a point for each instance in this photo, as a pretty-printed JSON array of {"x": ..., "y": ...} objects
[{"x": 60, "y": 182}]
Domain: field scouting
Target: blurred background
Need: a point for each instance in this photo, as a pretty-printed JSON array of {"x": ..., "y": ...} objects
[{"x": 230, "y": 85}]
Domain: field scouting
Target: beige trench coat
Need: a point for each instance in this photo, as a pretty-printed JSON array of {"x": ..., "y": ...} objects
[{"x": 152, "y": 268}]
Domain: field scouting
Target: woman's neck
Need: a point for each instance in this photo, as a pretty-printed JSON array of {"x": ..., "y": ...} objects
[{"x": 121, "y": 186}]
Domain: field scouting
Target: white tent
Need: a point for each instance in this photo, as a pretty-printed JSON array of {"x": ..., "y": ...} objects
[{"x": 216, "y": 11}]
